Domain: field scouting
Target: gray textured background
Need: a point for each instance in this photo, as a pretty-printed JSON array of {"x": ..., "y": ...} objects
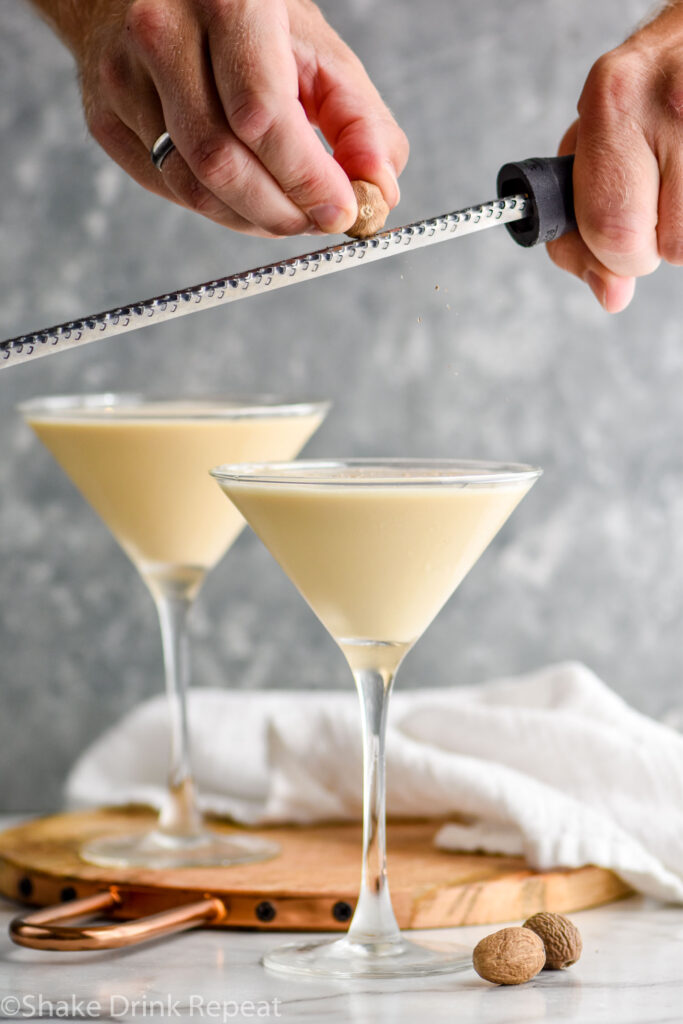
[{"x": 509, "y": 358}]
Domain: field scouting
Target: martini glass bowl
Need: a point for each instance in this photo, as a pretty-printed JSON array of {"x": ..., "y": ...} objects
[
  {"x": 142, "y": 463},
  {"x": 376, "y": 547}
]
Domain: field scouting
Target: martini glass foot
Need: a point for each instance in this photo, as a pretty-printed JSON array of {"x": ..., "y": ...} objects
[
  {"x": 159, "y": 850},
  {"x": 349, "y": 958}
]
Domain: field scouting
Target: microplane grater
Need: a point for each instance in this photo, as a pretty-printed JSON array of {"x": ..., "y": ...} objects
[{"x": 535, "y": 201}]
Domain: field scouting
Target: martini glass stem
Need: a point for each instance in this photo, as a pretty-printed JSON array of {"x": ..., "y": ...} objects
[
  {"x": 373, "y": 920},
  {"x": 180, "y": 816}
]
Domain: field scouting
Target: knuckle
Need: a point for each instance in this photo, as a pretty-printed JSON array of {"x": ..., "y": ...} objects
[
  {"x": 114, "y": 73},
  {"x": 251, "y": 117},
  {"x": 674, "y": 103},
  {"x": 105, "y": 128},
  {"x": 216, "y": 8},
  {"x": 287, "y": 225},
  {"x": 614, "y": 232},
  {"x": 200, "y": 200},
  {"x": 613, "y": 83},
  {"x": 148, "y": 25},
  {"x": 305, "y": 188},
  {"x": 673, "y": 94},
  {"x": 219, "y": 165},
  {"x": 617, "y": 234}
]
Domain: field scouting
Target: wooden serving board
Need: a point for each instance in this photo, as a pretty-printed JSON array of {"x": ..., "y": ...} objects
[{"x": 312, "y": 885}]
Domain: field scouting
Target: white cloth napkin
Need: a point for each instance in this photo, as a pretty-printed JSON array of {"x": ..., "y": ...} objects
[{"x": 551, "y": 765}]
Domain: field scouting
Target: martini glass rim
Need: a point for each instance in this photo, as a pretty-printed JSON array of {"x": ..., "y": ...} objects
[
  {"x": 139, "y": 405},
  {"x": 375, "y": 472}
]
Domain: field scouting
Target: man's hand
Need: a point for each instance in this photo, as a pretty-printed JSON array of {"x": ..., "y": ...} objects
[
  {"x": 628, "y": 173},
  {"x": 240, "y": 85}
]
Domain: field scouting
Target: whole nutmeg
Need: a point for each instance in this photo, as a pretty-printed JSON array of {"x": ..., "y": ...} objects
[
  {"x": 560, "y": 936},
  {"x": 372, "y": 210},
  {"x": 509, "y": 957}
]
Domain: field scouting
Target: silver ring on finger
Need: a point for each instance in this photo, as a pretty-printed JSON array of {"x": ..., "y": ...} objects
[{"x": 163, "y": 146}]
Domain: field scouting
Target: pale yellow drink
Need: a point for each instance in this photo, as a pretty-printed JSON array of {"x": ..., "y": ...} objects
[
  {"x": 376, "y": 546},
  {"x": 145, "y": 472},
  {"x": 375, "y": 563}
]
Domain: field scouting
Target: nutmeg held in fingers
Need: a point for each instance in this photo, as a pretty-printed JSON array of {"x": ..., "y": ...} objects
[
  {"x": 560, "y": 936},
  {"x": 373, "y": 210}
]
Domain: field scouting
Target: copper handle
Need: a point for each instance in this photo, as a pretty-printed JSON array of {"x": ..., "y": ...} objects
[{"x": 41, "y": 928}]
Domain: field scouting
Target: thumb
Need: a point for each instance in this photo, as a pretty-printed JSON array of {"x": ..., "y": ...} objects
[{"x": 363, "y": 134}]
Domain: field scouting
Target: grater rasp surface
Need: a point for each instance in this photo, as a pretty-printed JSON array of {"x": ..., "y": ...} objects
[{"x": 98, "y": 326}]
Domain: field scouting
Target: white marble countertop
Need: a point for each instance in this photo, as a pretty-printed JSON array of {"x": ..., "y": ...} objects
[{"x": 631, "y": 972}]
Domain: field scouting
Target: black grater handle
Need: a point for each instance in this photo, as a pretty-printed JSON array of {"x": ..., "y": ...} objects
[{"x": 547, "y": 181}]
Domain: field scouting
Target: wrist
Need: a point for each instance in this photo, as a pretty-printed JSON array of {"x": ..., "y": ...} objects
[
  {"x": 664, "y": 25},
  {"x": 74, "y": 20}
]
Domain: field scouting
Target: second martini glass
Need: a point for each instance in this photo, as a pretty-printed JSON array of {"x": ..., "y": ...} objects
[
  {"x": 376, "y": 547},
  {"x": 143, "y": 464}
]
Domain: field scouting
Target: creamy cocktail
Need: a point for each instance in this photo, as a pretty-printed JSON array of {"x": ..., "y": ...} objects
[
  {"x": 376, "y": 547},
  {"x": 144, "y": 469},
  {"x": 143, "y": 466},
  {"x": 375, "y": 562}
]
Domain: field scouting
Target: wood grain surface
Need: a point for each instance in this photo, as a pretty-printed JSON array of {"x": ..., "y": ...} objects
[{"x": 312, "y": 885}]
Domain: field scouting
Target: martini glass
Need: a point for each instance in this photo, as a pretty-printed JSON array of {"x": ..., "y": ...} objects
[
  {"x": 376, "y": 547},
  {"x": 142, "y": 464}
]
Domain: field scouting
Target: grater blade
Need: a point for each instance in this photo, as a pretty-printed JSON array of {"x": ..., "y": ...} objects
[{"x": 268, "y": 278}]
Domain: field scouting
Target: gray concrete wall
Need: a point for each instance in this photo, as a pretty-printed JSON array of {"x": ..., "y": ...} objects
[{"x": 508, "y": 359}]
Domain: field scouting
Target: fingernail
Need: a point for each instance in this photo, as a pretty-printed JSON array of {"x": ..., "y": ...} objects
[
  {"x": 313, "y": 230},
  {"x": 329, "y": 217},
  {"x": 596, "y": 285}
]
